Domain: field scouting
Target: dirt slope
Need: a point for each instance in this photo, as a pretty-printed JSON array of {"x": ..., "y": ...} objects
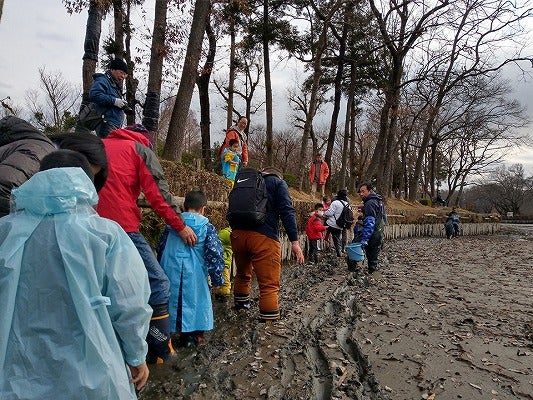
[{"x": 441, "y": 320}]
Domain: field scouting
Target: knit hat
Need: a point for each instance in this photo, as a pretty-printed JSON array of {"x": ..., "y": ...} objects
[
  {"x": 119, "y": 64},
  {"x": 139, "y": 128}
]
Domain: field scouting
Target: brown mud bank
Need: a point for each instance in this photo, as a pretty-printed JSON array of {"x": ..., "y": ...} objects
[{"x": 442, "y": 319}]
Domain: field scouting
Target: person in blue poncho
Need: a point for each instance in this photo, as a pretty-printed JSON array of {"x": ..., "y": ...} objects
[
  {"x": 188, "y": 268},
  {"x": 74, "y": 292}
]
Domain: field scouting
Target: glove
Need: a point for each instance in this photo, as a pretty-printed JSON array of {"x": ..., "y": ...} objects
[
  {"x": 120, "y": 102},
  {"x": 364, "y": 244}
]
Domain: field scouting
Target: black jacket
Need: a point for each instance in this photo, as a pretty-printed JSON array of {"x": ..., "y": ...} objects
[{"x": 22, "y": 147}]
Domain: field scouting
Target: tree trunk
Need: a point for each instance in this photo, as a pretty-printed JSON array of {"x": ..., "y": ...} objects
[
  {"x": 90, "y": 48},
  {"x": 268, "y": 87},
  {"x": 203, "y": 92},
  {"x": 131, "y": 82},
  {"x": 338, "y": 88},
  {"x": 173, "y": 145},
  {"x": 347, "y": 125},
  {"x": 157, "y": 55},
  {"x": 231, "y": 78},
  {"x": 354, "y": 176},
  {"x": 118, "y": 19},
  {"x": 317, "y": 74}
]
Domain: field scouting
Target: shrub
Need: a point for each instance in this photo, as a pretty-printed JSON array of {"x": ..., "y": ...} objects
[
  {"x": 290, "y": 179},
  {"x": 425, "y": 201},
  {"x": 188, "y": 158}
]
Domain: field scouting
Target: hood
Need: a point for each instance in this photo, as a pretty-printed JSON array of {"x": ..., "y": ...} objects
[
  {"x": 194, "y": 221},
  {"x": 55, "y": 191},
  {"x": 125, "y": 134},
  {"x": 373, "y": 195},
  {"x": 225, "y": 237},
  {"x": 13, "y": 129}
]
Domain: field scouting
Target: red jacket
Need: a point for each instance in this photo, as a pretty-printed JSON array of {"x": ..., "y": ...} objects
[
  {"x": 133, "y": 168},
  {"x": 314, "y": 227},
  {"x": 324, "y": 173}
]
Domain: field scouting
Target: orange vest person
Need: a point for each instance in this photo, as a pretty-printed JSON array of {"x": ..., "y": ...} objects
[{"x": 318, "y": 174}]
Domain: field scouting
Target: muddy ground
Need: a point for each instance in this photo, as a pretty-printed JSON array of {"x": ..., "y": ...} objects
[{"x": 442, "y": 319}]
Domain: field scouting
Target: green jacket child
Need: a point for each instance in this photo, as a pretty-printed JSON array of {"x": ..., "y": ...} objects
[{"x": 224, "y": 235}]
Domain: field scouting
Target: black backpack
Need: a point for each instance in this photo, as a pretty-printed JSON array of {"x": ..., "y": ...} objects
[
  {"x": 90, "y": 117},
  {"x": 247, "y": 202},
  {"x": 346, "y": 219}
]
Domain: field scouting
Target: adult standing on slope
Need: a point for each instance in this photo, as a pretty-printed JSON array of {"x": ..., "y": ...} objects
[
  {"x": 106, "y": 95},
  {"x": 238, "y": 132}
]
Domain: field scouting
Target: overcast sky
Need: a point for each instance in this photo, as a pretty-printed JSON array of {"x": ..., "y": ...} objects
[{"x": 40, "y": 33}]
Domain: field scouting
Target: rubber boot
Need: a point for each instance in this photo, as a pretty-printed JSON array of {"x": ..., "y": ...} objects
[{"x": 158, "y": 339}]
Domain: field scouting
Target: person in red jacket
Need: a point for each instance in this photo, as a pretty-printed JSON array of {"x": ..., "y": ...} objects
[
  {"x": 134, "y": 168},
  {"x": 318, "y": 174},
  {"x": 315, "y": 227}
]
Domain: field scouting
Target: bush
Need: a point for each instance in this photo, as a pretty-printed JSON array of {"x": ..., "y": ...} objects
[
  {"x": 425, "y": 201},
  {"x": 188, "y": 158},
  {"x": 290, "y": 179}
]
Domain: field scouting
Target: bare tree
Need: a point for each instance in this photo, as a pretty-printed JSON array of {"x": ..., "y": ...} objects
[
  {"x": 172, "y": 149},
  {"x": 158, "y": 51},
  {"x": 470, "y": 52},
  {"x": 506, "y": 188},
  {"x": 319, "y": 49},
  {"x": 91, "y": 45},
  {"x": 53, "y": 109},
  {"x": 248, "y": 70},
  {"x": 401, "y": 26},
  {"x": 203, "y": 93}
]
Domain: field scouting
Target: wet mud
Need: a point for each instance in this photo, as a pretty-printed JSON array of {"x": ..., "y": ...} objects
[{"x": 441, "y": 319}]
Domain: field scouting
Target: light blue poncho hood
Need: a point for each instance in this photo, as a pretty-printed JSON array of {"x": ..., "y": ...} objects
[{"x": 54, "y": 191}]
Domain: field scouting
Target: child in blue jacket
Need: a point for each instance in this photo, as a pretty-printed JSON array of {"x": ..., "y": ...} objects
[
  {"x": 188, "y": 268},
  {"x": 230, "y": 161}
]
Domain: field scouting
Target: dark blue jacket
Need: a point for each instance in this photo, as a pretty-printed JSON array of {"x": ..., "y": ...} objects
[
  {"x": 279, "y": 205},
  {"x": 373, "y": 214},
  {"x": 103, "y": 93}
]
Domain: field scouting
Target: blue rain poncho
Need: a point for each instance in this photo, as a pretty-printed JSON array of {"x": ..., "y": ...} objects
[
  {"x": 187, "y": 269},
  {"x": 74, "y": 295}
]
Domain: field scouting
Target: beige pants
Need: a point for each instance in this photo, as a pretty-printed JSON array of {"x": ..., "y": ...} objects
[{"x": 316, "y": 185}]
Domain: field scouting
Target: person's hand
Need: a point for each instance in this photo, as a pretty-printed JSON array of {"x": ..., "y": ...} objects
[
  {"x": 120, "y": 102},
  {"x": 188, "y": 236},
  {"x": 139, "y": 375},
  {"x": 364, "y": 244},
  {"x": 244, "y": 163},
  {"x": 297, "y": 251}
]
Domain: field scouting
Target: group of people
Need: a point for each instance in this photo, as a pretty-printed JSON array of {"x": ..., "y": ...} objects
[
  {"x": 367, "y": 230},
  {"x": 78, "y": 279},
  {"x": 233, "y": 152},
  {"x": 80, "y": 282},
  {"x": 87, "y": 302}
]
